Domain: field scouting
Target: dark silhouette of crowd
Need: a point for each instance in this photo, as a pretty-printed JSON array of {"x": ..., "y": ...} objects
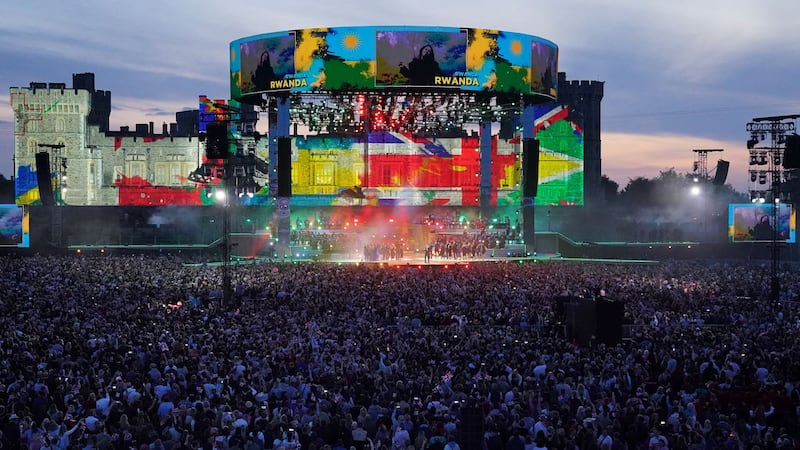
[
  {"x": 119, "y": 352},
  {"x": 464, "y": 246}
]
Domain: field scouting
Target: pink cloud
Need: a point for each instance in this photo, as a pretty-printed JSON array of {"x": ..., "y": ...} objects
[{"x": 629, "y": 155}]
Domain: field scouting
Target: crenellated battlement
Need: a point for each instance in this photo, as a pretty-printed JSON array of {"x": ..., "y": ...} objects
[
  {"x": 53, "y": 90},
  {"x": 583, "y": 88}
]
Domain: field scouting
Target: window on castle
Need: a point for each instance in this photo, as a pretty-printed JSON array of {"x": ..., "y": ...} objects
[
  {"x": 388, "y": 175},
  {"x": 323, "y": 173},
  {"x": 175, "y": 173},
  {"x": 161, "y": 174},
  {"x": 118, "y": 173},
  {"x": 136, "y": 169},
  {"x": 92, "y": 174},
  {"x": 60, "y": 125}
]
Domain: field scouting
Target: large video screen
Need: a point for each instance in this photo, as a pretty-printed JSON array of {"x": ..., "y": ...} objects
[
  {"x": 399, "y": 169},
  {"x": 561, "y": 157},
  {"x": 420, "y": 58},
  {"x": 14, "y": 226},
  {"x": 391, "y": 169},
  {"x": 368, "y": 57},
  {"x": 755, "y": 222}
]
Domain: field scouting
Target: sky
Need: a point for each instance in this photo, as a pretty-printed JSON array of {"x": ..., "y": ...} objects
[{"x": 679, "y": 75}]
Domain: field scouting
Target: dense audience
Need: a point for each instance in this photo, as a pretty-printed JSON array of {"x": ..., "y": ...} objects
[{"x": 146, "y": 353}]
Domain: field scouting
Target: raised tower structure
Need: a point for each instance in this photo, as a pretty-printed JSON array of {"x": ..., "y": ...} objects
[{"x": 584, "y": 97}]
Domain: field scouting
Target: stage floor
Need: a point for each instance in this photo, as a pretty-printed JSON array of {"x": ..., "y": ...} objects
[{"x": 419, "y": 260}]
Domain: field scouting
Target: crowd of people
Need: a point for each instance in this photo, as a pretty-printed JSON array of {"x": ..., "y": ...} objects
[
  {"x": 121, "y": 352},
  {"x": 465, "y": 245}
]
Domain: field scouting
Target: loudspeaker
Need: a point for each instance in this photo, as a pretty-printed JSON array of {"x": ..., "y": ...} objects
[
  {"x": 530, "y": 167},
  {"x": 722, "y": 172},
  {"x": 562, "y": 300},
  {"x": 581, "y": 320},
  {"x": 284, "y": 167},
  {"x": 609, "y": 321},
  {"x": 43, "y": 179},
  {"x": 217, "y": 146},
  {"x": 791, "y": 155},
  {"x": 472, "y": 425},
  {"x": 507, "y": 127}
]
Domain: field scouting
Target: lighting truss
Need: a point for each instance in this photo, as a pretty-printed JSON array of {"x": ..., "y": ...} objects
[{"x": 429, "y": 114}]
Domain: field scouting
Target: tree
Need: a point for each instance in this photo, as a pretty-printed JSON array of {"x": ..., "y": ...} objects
[
  {"x": 6, "y": 190},
  {"x": 640, "y": 192},
  {"x": 609, "y": 188}
]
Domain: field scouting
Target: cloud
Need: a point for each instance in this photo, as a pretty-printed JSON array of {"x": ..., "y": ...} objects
[
  {"x": 630, "y": 155},
  {"x": 6, "y": 113},
  {"x": 128, "y": 111}
]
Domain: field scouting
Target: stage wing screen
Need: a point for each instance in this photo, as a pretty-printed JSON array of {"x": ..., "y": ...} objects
[
  {"x": 753, "y": 222},
  {"x": 14, "y": 226},
  {"x": 561, "y": 157}
]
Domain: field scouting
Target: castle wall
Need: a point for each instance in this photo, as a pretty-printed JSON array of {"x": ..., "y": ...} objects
[{"x": 88, "y": 165}]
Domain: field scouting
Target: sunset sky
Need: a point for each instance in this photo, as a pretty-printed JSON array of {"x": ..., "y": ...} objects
[{"x": 678, "y": 75}]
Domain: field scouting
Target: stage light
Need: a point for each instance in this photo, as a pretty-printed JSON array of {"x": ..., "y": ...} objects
[
  {"x": 695, "y": 190},
  {"x": 219, "y": 195}
]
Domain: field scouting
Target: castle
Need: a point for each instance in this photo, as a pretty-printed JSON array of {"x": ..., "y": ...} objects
[{"x": 91, "y": 165}]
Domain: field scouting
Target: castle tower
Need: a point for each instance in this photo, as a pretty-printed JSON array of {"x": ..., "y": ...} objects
[{"x": 585, "y": 97}]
